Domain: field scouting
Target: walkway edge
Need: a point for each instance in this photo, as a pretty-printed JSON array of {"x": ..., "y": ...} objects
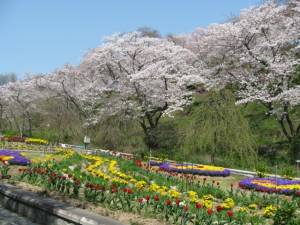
[{"x": 47, "y": 211}]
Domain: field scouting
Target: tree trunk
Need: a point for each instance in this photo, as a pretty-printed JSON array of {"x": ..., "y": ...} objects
[
  {"x": 288, "y": 129},
  {"x": 1, "y": 119},
  {"x": 29, "y": 127},
  {"x": 149, "y": 124}
]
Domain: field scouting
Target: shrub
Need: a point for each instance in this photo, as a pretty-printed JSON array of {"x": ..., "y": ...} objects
[
  {"x": 261, "y": 169},
  {"x": 288, "y": 172}
]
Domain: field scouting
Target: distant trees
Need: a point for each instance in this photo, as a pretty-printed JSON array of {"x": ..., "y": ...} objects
[
  {"x": 19, "y": 100},
  {"x": 149, "y": 32},
  {"x": 6, "y": 78}
]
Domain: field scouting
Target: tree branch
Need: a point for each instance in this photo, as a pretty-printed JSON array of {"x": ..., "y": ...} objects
[{"x": 281, "y": 122}]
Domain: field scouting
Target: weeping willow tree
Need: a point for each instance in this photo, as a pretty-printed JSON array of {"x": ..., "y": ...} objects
[{"x": 219, "y": 129}]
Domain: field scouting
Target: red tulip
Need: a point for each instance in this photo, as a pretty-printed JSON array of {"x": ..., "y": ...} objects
[
  {"x": 156, "y": 198},
  {"x": 230, "y": 213},
  {"x": 147, "y": 198},
  {"x": 210, "y": 212},
  {"x": 198, "y": 205},
  {"x": 219, "y": 208},
  {"x": 168, "y": 202},
  {"x": 177, "y": 201}
]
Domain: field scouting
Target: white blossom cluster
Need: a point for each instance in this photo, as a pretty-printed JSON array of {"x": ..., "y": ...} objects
[
  {"x": 146, "y": 78},
  {"x": 257, "y": 51}
]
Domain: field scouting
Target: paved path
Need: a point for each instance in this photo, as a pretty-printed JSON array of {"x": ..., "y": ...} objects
[{"x": 10, "y": 218}]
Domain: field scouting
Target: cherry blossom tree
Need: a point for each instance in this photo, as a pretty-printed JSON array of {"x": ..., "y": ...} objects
[
  {"x": 65, "y": 84},
  {"x": 259, "y": 52},
  {"x": 21, "y": 99},
  {"x": 3, "y": 107},
  {"x": 139, "y": 77}
]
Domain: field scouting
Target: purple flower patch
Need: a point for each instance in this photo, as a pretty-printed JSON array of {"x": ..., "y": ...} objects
[
  {"x": 195, "y": 169},
  {"x": 271, "y": 185},
  {"x": 155, "y": 163},
  {"x": 18, "y": 158}
]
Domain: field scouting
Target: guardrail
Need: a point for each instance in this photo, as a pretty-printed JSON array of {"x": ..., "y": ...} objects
[{"x": 131, "y": 156}]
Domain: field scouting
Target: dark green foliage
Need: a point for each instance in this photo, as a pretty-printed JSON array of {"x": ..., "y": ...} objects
[
  {"x": 163, "y": 138},
  {"x": 115, "y": 133},
  {"x": 10, "y": 133},
  {"x": 294, "y": 147},
  {"x": 296, "y": 79},
  {"x": 218, "y": 128},
  {"x": 289, "y": 171}
]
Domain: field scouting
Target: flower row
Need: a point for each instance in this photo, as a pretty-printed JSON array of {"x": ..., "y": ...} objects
[
  {"x": 194, "y": 169},
  {"x": 13, "y": 157},
  {"x": 38, "y": 141},
  {"x": 271, "y": 185}
]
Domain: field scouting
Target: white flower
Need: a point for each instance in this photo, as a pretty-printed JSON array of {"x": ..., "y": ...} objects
[
  {"x": 173, "y": 187},
  {"x": 181, "y": 204},
  {"x": 72, "y": 167}
]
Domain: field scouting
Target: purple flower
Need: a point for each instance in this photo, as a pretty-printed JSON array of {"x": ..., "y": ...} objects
[
  {"x": 258, "y": 184},
  {"x": 18, "y": 158},
  {"x": 179, "y": 168},
  {"x": 155, "y": 163}
]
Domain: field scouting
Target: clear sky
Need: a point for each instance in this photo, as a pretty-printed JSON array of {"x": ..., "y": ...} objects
[{"x": 42, "y": 35}]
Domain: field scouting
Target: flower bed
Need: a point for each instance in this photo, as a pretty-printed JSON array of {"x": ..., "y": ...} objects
[
  {"x": 13, "y": 139},
  {"x": 24, "y": 146},
  {"x": 123, "y": 185},
  {"x": 104, "y": 183},
  {"x": 195, "y": 169},
  {"x": 38, "y": 141},
  {"x": 155, "y": 162},
  {"x": 271, "y": 185},
  {"x": 14, "y": 157}
]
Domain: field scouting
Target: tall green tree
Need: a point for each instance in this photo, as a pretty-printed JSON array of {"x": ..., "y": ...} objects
[{"x": 219, "y": 129}]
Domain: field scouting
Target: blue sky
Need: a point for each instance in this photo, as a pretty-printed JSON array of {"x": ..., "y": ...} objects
[{"x": 42, "y": 35}]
